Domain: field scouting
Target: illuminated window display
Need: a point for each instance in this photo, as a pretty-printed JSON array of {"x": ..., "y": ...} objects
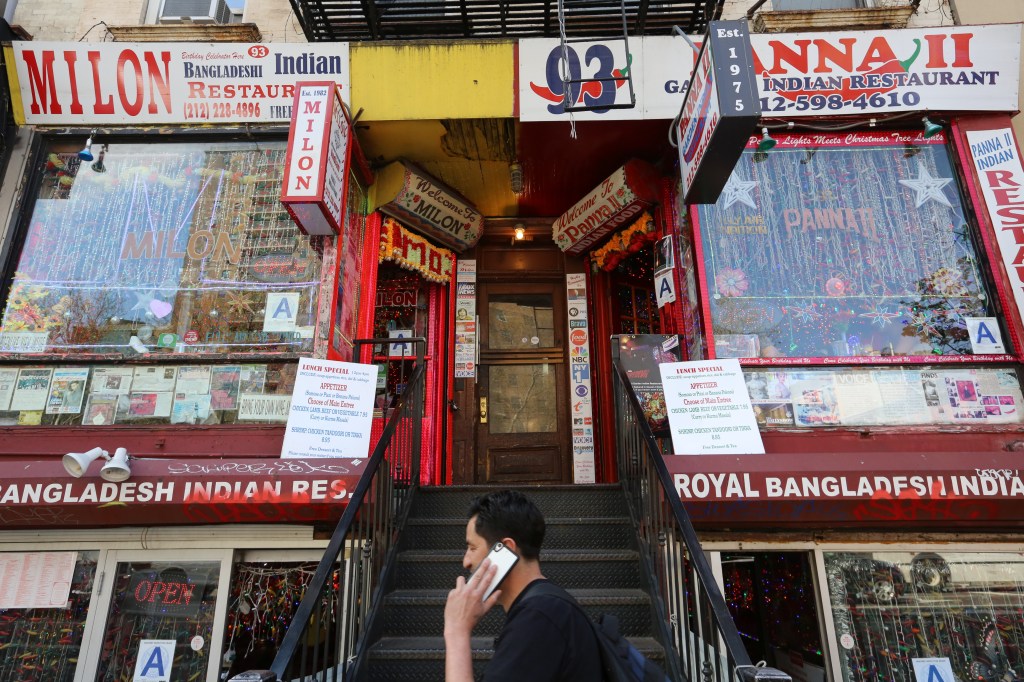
[
  {"x": 163, "y": 248},
  {"x": 890, "y": 608},
  {"x": 842, "y": 245}
]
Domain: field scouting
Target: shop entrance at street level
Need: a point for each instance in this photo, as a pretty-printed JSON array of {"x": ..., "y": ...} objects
[{"x": 771, "y": 596}]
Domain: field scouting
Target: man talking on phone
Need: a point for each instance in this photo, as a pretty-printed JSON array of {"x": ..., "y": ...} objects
[{"x": 544, "y": 639}]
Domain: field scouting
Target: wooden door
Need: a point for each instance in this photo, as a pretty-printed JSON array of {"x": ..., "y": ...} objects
[{"x": 522, "y": 433}]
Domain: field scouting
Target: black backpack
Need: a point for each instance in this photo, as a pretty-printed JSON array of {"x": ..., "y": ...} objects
[{"x": 622, "y": 662}]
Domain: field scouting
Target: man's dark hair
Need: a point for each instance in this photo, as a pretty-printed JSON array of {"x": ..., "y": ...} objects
[{"x": 509, "y": 514}]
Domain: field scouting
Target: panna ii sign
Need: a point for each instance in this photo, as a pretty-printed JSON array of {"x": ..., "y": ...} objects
[
  {"x": 997, "y": 161},
  {"x": 620, "y": 198},
  {"x": 319, "y": 147},
  {"x": 719, "y": 111}
]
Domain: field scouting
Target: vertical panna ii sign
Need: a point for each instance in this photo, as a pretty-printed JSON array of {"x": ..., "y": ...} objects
[
  {"x": 319, "y": 146},
  {"x": 997, "y": 160},
  {"x": 331, "y": 408},
  {"x": 709, "y": 410}
]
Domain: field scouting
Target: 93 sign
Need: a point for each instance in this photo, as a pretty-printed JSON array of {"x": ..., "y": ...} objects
[{"x": 605, "y": 74}]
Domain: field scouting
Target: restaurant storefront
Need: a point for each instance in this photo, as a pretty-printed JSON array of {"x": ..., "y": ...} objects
[{"x": 158, "y": 297}]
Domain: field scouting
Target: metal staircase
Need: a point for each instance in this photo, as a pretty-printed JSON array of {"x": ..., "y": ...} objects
[
  {"x": 589, "y": 548},
  {"x": 374, "y": 609}
]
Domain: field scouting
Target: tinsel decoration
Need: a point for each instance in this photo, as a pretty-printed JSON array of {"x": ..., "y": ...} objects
[
  {"x": 415, "y": 253},
  {"x": 627, "y": 242}
]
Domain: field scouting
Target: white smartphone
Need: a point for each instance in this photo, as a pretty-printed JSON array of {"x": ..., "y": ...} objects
[{"x": 504, "y": 558}]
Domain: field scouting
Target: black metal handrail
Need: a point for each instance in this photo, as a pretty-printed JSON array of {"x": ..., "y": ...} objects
[
  {"x": 331, "y": 624},
  {"x": 698, "y": 625}
]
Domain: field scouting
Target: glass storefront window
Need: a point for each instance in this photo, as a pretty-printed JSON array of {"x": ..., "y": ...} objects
[
  {"x": 890, "y": 608},
  {"x": 169, "y": 247},
  {"x": 842, "y": 245},
  {"x": 884, "y": 396},
  {"x": 45, "y": 644},
  {"x": 160, "y": 600},
  {"x": 101, "y": 395}
]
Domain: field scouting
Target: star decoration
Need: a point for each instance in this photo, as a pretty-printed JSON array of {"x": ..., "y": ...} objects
[
  {"x": 239, "y": 303},
  {"x": 880, "y": 316},
  {"x": 927, "y": 187},
  {"x": 738, "y": 190},
  {"x": 143, "y": 299},
  {"x": 924, "y": 322},
  {"x": 808, "y": 314}
]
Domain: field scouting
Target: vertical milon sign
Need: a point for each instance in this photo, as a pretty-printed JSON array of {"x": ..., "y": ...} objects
[
  {"x": 719, "y": 111},
  {"x": 319, "y": 151}
]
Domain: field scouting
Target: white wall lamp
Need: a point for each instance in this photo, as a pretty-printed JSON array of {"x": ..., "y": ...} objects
[{"x": 115, "y": 470}]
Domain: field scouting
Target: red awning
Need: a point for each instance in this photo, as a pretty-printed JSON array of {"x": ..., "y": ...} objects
[
  {"x": 893, "y": 491},
  {"x": 174, "y": 492}
]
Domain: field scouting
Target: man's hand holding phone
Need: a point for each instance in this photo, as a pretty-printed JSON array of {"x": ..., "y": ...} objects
[{"x": 466, "y": 604}]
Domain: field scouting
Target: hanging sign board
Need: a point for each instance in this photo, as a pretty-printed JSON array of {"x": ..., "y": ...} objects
[
  {"x": 171, "y": 592},
  {"x": 423, "y": 204},
  {"x": 613, "y": 203},
  {"x": 125, "y": 83},
  {"x": 720, "y": 109},
  {"x": 319, "y": 149}
]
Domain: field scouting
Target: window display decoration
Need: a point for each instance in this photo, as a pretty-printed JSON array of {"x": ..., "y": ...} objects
[
  {"x": 841, "y": 245},
  {"x": 884, "y": 396},
  {"x": 624, "y": 244},
  {"x": 175, "y": 247},
  {"x": 415, "y": 253},
  {"x": 892, "y": 607},
  {"x": 262, "y": 603}
]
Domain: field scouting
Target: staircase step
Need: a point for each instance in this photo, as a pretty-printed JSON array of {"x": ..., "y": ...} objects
[
  {"x": 590, "y": 500},
  {"x": 420, "y": 613},
  {"x": 434, "y": 569},
  {"x": 597, "y": 532},
  {"x": 421, "y": 659}
]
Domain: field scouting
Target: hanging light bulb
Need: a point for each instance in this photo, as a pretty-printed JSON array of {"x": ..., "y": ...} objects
[
  {"x": 930, "y": 129},
  {"x": 98, "y": 167},
  {"x": 515, "y": 176},
  {"x": 86, "y": 153}
]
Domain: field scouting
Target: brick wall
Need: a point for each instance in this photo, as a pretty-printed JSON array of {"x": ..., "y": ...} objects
[{"x": 276, "y": 20}]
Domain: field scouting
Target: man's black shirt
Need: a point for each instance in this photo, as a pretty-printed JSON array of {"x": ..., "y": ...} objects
[{"x": 545, "y": 639}]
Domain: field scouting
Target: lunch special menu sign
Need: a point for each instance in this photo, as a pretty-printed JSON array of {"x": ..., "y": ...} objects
[
  {"x": 709, "y": 410},
  {"x": 331, "y": 410}
]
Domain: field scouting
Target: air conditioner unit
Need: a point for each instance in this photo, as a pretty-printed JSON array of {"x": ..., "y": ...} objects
[{"x": 199, "y": 11}]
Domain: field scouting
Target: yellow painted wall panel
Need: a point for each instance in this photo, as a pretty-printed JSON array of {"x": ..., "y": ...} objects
[{"x": 465, "y": 79}]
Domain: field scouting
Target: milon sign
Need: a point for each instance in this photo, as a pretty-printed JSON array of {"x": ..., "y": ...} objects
[{"x": 146, "y": 83}]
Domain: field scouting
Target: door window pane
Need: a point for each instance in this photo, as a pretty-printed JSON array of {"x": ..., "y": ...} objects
[
  {"x": 172, "y": 247},
  {"x": 520, "y": 321},
  {"x": 825, "y": 248},
  {"x": 45, "y": 644},
  {"x": 522, "y": 398},
  {"x": 892, "y": 607},
  {"x": 160, "y": 600}
]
